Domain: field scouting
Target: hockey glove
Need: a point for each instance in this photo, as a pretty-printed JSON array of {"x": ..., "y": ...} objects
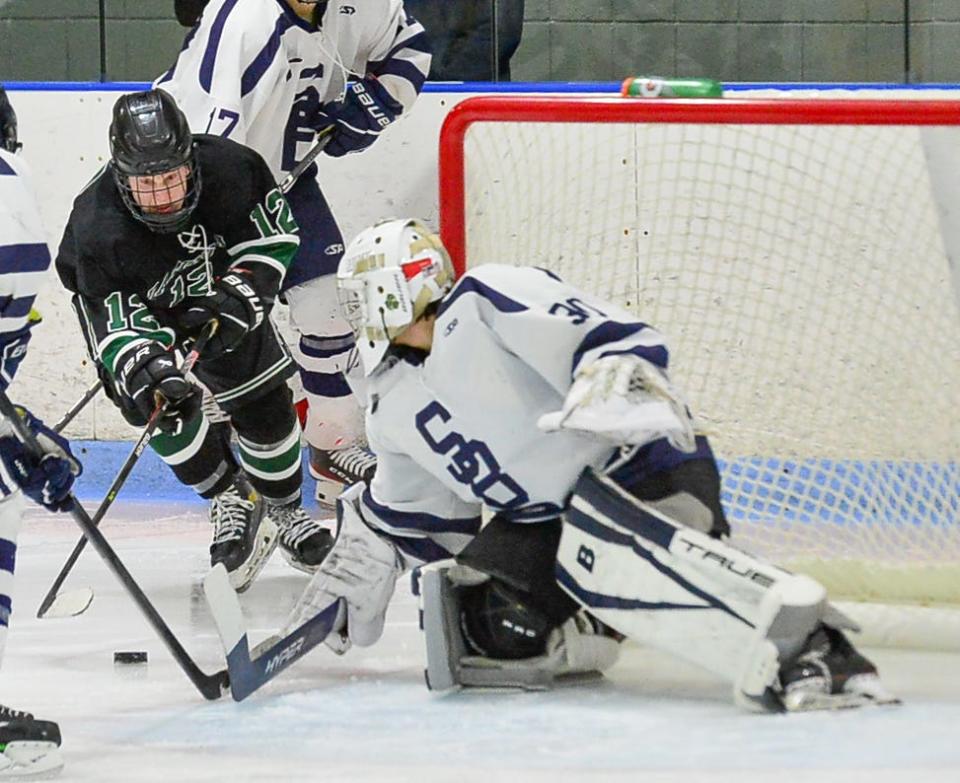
[
  {"x": 626, "y": 400},
  {"x": 13, "y": 348},
  {"x": 46, "y": 481},
  {"x": 150, "y": 376},
  {"x": 366, "y": 110},
  {"x": 235, "y": 302}
]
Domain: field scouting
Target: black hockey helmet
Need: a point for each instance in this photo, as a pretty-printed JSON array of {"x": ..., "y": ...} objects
[
  {"x": 189, "y": 11},
  {"x": 8, "y": 124},
  {"x": 149, "y": 137}
]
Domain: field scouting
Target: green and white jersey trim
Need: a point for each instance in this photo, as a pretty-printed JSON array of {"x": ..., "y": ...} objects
[
  {"x": 238, "y": 391},
  {"x": 273, "y": 246}
]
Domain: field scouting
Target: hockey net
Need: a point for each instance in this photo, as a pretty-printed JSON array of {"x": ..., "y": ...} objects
[{"x": 796, "y": 254}]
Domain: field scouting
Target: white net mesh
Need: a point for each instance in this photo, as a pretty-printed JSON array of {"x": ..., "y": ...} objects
[{"x": 801, "y": 275}]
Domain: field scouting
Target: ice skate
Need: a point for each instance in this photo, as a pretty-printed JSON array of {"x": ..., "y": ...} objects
[
  {"x": 337, "y": 469},
  {"x": 831, "y": 675},
  {"x": 29, "y": 748},
  {"x": 304, "y": 542},
  {"x": 244, "y": 536}
]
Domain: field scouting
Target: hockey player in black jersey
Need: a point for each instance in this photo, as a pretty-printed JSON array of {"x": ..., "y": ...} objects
[{"x": 175, "y": 231}]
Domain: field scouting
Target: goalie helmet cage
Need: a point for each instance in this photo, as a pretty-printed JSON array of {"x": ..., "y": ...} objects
[{"x": 801, "y": 257}]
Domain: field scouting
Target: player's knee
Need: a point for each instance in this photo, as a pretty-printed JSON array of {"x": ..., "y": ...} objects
[
  {"x": 262, "y": 419},
  {"x": 500, "y": 622}
]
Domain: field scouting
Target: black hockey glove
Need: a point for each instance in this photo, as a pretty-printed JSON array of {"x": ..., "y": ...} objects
[
  {"x": 235, "y": 302},
  {"x": 46, "y": 481},
  {"x": 366, "y": 110},
  {"x": 152, "y": 371}
]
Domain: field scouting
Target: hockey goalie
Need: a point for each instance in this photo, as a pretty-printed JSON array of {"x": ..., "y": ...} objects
[{"x": 554, "y": 409}]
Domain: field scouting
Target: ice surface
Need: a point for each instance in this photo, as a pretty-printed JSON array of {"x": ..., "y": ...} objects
[{"x": 368, "y": 717}]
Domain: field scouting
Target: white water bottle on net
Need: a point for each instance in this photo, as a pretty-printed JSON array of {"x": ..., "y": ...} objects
[{"x": 803, "y": 259}]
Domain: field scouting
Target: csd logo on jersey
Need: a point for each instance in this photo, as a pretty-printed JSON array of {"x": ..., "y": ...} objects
[
  {"x": 470, "y": 462},
  {"x": 450, "y": 327},
  {"x": 333, "y": 250},
  {"x": 347, "y": 10}
]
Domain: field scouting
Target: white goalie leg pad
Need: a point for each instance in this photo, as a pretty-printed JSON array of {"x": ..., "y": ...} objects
[
  {"x": 575, "y": 648},
  {"x": 363, "y": 568},
  {"x": 674, "y": 588}
]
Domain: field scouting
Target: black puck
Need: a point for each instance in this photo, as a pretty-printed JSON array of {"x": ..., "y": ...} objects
[{"x": 138, "y": 656}]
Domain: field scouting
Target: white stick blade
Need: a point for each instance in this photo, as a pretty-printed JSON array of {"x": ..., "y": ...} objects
[{"x": 69, "y": 604}]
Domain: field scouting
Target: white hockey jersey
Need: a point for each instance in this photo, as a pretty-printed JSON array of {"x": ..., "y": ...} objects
[
  {"x": 24, "y": 254},
  {"x": 458, "y": 430},
  {"x": 24, "y": 260},
  {"x": 252, "y": 70}
]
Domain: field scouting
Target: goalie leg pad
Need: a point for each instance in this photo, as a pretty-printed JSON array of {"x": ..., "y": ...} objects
[
  {"x": 676, "y": 589},
  {"x": 461, "y": 606}
]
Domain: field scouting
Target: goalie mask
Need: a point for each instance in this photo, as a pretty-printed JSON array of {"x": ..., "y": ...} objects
[
  {"x": 387, "y": 278},
  {"x": 153, "y": 161}
]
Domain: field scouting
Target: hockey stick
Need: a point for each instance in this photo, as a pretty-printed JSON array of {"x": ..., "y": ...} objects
[
  {"x": 70, "y": 604},
  {"x": 247, "y": 674},
  {"x": 323, "y": 138},
  {"x": 212, "y": 686},
  {"x": 78, "y": 406}
]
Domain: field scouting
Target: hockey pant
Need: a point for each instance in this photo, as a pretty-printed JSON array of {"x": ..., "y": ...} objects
[
  {"x": 268, "y": 449},
  {"x": 323, "y": 352},
  {"x": 11, "y": 516}
]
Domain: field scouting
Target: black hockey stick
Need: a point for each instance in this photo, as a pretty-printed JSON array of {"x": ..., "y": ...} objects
[
  {"x": 56, "y": 604},
  {"x": 323, "y": 138},
  {"x": 247, "y": 674},
  {"x": 212, "y": 686},
  {"x": 78, "y": 406}
]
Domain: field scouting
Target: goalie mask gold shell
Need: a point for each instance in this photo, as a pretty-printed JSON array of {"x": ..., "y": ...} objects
[{"x": 388, "y": 276}]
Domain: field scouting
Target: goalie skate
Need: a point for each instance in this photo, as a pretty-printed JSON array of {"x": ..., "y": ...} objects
[
  {"x": 831, "y": 675},
  {"x": 29, "y": 748},
  {"x": 244, "y": 536},
  {"x": 338, "y": 469}
]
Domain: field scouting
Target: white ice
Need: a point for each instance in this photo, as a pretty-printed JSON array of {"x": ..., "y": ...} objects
[{"x": 368, "y": 717}]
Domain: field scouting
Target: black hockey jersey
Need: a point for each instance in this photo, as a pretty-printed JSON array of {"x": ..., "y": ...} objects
[{"x": 130, "y": 283}]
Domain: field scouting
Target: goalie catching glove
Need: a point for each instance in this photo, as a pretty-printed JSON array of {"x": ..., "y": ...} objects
[
  {"x": 235, "y": 302},
  {"x": 150, "y": 376},
  {"x": 626, "y": 400},
  {"x": 363, "y": 568},
  {"x": 47, "y": 481}
]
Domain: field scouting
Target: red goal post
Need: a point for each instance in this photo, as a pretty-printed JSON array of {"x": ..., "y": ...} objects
[
  {"x": 492, "y": 109},
  {"x": 797, "y": 254}
]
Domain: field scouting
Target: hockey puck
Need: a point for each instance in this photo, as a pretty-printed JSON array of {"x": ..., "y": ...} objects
[{"x": 130, "y": 657}]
